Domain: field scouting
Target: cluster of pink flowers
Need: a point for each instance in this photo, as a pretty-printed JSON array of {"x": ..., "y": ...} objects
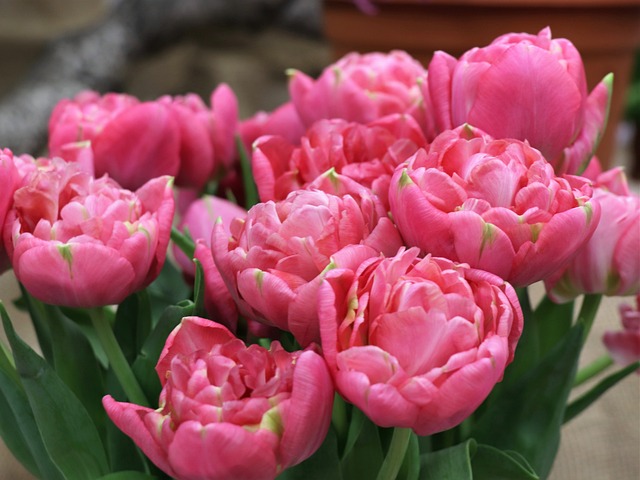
[{"x": 399, "y": 207}]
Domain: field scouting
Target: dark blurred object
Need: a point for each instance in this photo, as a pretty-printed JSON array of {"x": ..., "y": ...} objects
[
  {"x": 606, "y": 32},
  {"x": 101, "y": 39},
  {"x": 632, "y": 114}
]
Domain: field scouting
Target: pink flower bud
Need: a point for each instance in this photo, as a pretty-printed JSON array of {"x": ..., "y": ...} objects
[
  {"x": 228, "y": 411},
  {"x": 624, "y": 345}
]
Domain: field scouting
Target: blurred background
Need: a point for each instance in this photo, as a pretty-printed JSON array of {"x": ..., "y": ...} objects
[{"x": 51, "y": 49}]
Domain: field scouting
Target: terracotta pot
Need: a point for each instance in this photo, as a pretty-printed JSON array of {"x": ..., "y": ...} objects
[{"x": 606, "y": 32}]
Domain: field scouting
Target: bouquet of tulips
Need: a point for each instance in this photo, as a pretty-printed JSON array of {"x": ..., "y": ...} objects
[{"x": 346, "y": 293}]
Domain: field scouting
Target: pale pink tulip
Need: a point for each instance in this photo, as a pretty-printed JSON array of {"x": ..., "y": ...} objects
[
  {"x": 82, "y": 242},
  {"x": 609, "y": 263},
  {"x": 529, "y": 87},
  {"x": 275, "y": 260},
  {"x": 361, "y": 88},
  {"x": 494, "y": 204},
  {"x": 228, "y": 411},
  {"x": 417, "y": 343},
  {"x": 366, "y": 153},
  {"x": 624, "y": 345}
]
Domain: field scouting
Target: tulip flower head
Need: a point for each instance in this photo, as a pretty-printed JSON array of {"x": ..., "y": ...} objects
[
  {"x": 417, "y": 343},
  {"x": 494, "y": 204},
  {"x": 228, "y": 411}
]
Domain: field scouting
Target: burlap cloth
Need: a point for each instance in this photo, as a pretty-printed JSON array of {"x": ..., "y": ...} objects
[{"x": 601, "y": 444}]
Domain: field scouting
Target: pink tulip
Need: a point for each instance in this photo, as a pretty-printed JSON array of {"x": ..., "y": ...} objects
[
  {"x": 283, "y": 121},
  {"x": 83, "y": 242},
  {"x": 135, "y": 141},
  {"x": 361, "y": 88},
  {"x": 9, "y": 180},
  {"x": 417, "y": 343},
  {"x": 494, "y": 204},
  {"x": 228, "y": 411},
  {"x": 198, "y": 221},
  {"x": 624, "y": 345},
  {"x": 367, "y": 154},
  {"x": 275, "y": 260},
  {"x": 529, "y": 87},
  {"x": 609, "y": 263}
]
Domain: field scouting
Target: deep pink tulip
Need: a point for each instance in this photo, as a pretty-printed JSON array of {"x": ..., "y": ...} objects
[
  {"x": 361, "y": 88},
  {"x": 624, "y": 345},
  {"x": 275, "y": 260},
  {"x": 82, "y": 242},
  {"x": 366, "y": 153},
  {"x": 609, "y": 263},
  {"x": 494, "y": 204},
  {"x": 228, "y": 411},
  {"x": 417, "y": 343},
  {"x": 529, "y": 87},
  {"x": 283, "y": 122}
]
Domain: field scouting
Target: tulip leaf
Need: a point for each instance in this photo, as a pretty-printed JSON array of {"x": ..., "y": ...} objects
[
  {"x": 68, "y": 434},
  {"x": 198, "y": 290},
  {"x": 527, "y": 415},
  {"x": 321, "y": 465},
  {"x": 410, "y": 469},
  {"x": 453, "y": 463},
  {"x": 40, "y": 324},
  {"x": 145, "y": 364},
  {"x": 133, "y": 323},
  {"x": 76, "y": 365},
  {"x": 552, "y": 321},
  {"x": 128, "y": 475},
  {"x": 581, "y": 403},
  {"x": 169, "y": 288},
  {"x": 365, "y": 458},
  {"x": 250, "y": 189},
  {"x": 490, "y": 463}
]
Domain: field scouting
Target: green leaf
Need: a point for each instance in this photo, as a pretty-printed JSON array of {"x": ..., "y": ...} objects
[
  {"x": 133, "y": 324},
  {"x": 322, "y": 465},
  {"x": 365, "y": 458},
  {"x": 40, "y": 324},
  {"x": 145, "y": 364},
  {"x": 68, "y": 433},
  {"x": 552, "y": 321},
  {"x": 355, "y": 428},
  {"x": 76, "y": 365},
  {"x": 527, "y": 415},
  {"x": 410, "y": 469},
  {"x": 198, "y": 291},
  {"x": 490, "y": 463},
  {"x": 581, "y": 403},
  {"x": 453, "y": 463},
  {"x": 17, "y": 424},
  {"x": 131, "y": 475},
  {"x": 250, "y": 189},
  {"x": 168, "y": 289}
]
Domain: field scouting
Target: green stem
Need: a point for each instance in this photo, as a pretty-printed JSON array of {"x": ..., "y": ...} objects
[
  {"x": 183, "y": 242},
  {"x": 395, "y": 455},
  {"x": 117, "y": 360},
  {"x": 339, "y": 418},
  {"x": 593, "y": 369},
  {"x": 250, "y": 189},
  {"x": 588, "y": 311}
]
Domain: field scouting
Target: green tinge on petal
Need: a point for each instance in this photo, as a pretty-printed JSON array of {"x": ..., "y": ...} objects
[
  {"x": 65, "y": 253},
  {"x": 259, "y": 278},
  {"x": 272, "y": 421},
  {"x": 489, "y": 232},
  {"x": 405, "y": 179}
]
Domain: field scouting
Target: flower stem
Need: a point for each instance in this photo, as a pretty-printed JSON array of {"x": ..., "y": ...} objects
[
  {"x": 183, "y": 242},
  {"x": 117, "y": 360},
  {"x": 395, "y": 455},
  {"x": 593, "y": 369},
  {"x": 588, "y": 312}
]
